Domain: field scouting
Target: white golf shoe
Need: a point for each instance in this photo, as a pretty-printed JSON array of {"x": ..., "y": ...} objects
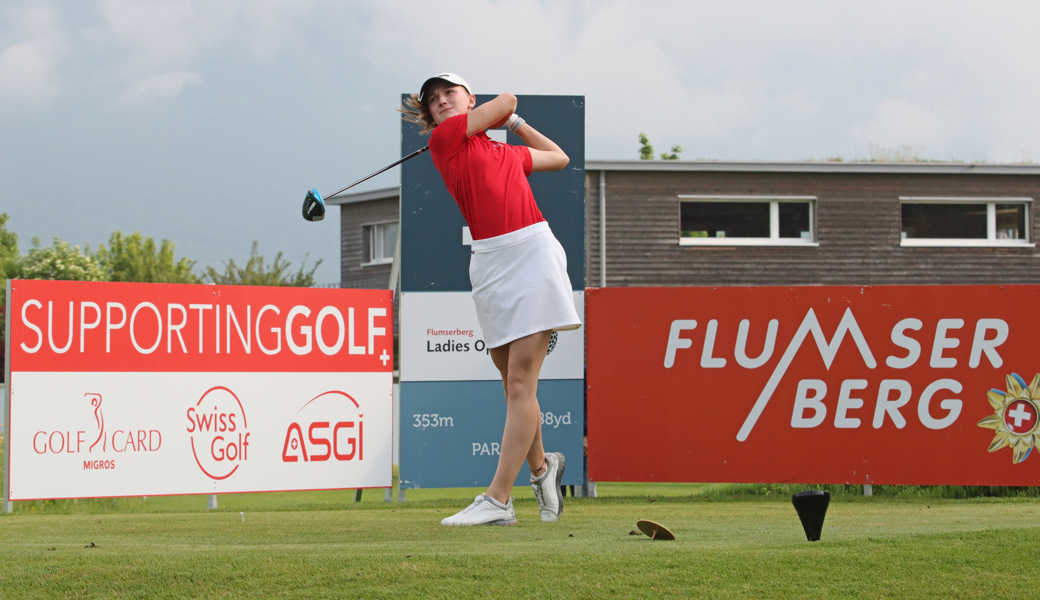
[
  {"x": 485, "y": 510},
  {"x": 547, "y": 487}
]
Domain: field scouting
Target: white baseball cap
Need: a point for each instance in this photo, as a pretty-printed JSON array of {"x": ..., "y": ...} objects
[{"x": 449, "y": 77}]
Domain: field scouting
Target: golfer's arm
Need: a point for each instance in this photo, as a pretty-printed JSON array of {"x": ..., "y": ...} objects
[
  {"x": 490, "y": 115},
  {"x": 545, "y": 154}
]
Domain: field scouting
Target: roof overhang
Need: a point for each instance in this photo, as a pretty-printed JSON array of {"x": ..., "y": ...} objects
[
  {"x": 718, "y": 166},
  {"x": 888, "y": 168}
]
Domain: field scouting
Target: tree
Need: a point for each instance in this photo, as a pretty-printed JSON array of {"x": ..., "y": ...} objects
[
  {"x": 60, "y": 261},
  {"x": 646, "y": 150},
  {"x": 8, "y": 251},
  {"x": 8, "y": 269},
  {"x": 257, "y": 273},
  {"x": 136, "y": 258},
  {"x": 676, "y": 151}
]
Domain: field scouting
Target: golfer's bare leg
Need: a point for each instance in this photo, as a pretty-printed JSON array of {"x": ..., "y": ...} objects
[
  {"x": 521, "y": 439},
  {"x": 536, "y": 455}
]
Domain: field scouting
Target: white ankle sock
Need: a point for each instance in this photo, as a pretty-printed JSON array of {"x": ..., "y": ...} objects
[{"x": 496, "y": 502}]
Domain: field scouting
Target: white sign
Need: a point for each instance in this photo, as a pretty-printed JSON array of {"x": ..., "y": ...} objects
[
  {"x": 441, "y": 340},
  {"x": 153, "y": 434}
]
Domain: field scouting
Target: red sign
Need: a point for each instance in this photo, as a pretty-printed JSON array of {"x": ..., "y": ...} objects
[
  {"x": 921, "y": 385},
  {"x": 150, "y": 327}
]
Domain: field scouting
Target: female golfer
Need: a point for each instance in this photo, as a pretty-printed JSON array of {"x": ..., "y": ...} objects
[{"x": 517, "y": 268}]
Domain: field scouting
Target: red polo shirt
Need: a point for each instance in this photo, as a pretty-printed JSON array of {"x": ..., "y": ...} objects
[{"x": 488, "y": 179}]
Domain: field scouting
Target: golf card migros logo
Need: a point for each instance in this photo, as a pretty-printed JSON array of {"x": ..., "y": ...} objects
[
  {"x": 99, "y": 450},
  {"x": 219, "y": 433},
  {"x": 1015, "y": 417},
  {"x": 328, "y": 427}
]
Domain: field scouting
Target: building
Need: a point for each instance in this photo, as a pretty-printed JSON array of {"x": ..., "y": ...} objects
[
  {"x": 368, "y": 223},
  {"x": 690, "y": 223}
]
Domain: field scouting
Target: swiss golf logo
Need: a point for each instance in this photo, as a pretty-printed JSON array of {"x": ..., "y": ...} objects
[
  {"x": 1015, "y": 417},
  {"x": 328, "y": 427},
  {"x": 219, "y": 433}
]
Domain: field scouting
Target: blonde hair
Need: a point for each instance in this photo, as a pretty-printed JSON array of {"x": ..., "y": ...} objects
[{"x": 417, "y": 112}]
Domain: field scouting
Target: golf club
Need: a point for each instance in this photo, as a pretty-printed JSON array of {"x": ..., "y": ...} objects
[{"x": 314, "y": 205}]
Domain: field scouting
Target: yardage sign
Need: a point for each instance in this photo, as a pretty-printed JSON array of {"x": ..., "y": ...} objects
[
  {"x": 451, "y": 393},
  {"x": 919, "y": 385},
  {"x": 152, "y": 389}
]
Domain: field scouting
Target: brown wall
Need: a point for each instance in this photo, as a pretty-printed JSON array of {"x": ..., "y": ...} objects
[
  {"x": 857, "y": 225},
  {"x": 353, "y": 219}
]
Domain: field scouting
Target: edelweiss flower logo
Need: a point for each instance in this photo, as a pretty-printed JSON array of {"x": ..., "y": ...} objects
[{"x": 1016, "y": 419}]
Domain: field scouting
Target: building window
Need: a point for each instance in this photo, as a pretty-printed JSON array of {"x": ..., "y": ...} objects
[
  {"x": 965, "y": 221},
  {"x": 379, "y": 241},
  {"x": 747, "y": 220}
]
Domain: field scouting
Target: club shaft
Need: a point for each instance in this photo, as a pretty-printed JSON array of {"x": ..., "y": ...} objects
[{"x": 390, "y": 166}]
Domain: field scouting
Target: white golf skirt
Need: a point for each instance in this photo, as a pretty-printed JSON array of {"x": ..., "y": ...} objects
[{"x": 520, "y": 285}]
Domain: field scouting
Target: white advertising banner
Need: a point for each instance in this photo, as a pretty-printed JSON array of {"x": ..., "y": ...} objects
[
  {"x": 147, "y": 390},
  {"x": 441, "y": 340}
]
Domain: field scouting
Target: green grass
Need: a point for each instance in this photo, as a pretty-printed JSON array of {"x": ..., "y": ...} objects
[
  {"x": 337, "y": 499},
  {"x": 726, "y": 548},
  {"x": 734, "y": 541},
  {"x": 723, "y": 490},
  {"x": 319, "y": 500}
]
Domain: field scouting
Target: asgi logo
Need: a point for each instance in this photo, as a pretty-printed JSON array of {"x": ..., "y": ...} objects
[
  {"x": 328, "y": 427},
  {"x": 219, "y": 433}
]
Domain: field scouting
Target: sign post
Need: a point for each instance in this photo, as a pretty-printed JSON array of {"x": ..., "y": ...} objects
[
  {"x": 452, "y": 402},
  {"x": 7, "y": 505}
]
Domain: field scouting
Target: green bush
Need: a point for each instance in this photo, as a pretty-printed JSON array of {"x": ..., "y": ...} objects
[
  {"x": 256, "y": 272},
  {"x": 140, "y": 259},
  {"x": 60, "y": 261}
]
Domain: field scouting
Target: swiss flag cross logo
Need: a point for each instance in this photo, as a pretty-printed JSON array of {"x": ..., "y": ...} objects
[{"x": 1020, "y": 417}]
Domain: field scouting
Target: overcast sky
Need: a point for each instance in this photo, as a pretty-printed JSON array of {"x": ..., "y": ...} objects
[{"x": 205, "y": 121}]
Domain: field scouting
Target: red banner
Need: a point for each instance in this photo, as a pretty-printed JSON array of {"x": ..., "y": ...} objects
[
  {"x": 84, "y": 326},
  {"x": 918, "y": 385}
]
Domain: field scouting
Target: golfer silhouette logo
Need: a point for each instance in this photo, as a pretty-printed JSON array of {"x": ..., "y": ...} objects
[{"x": 95, "y": 401}]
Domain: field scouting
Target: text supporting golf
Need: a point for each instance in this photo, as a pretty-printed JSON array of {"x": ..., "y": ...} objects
[{"x": 173, "y": 328}]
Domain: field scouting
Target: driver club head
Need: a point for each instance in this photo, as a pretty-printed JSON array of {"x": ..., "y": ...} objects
[{"x": 313, "y": 206}]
